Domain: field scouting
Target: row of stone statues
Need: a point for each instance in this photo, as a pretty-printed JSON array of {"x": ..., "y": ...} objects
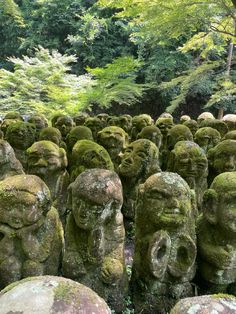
[{"x": 183, "y": 218}]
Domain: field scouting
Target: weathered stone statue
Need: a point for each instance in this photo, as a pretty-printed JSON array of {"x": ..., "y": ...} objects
[
  {"x": 21, "y": 135},
  {"x": 207, "y": 138},
  {"x": 204, "y": 116},
  {"x": 190, "y": 162},
  {"x": 13, "y": 115},
  {"x": 184, "y": 118},
  {"x": 5, "y": 124},
  {"x": 192, "y": 125},
  {"x": 46, "y": 160},
  {"x": 164, "y": 124},
  {"x": 124, "y": 121},
  {"x": 178, "y": 133},
  {"x": 138, "y": 123},
  {"x": 39, "y": 121},
  {"x": 95, "y": 125},
  {"x": 52, "y": 134},
  {"x": 216, "y": 124},
  {"x": 217, "y": 236},
  {"x": 165, "y": 249},
  {"x": 114, "y": 140},
  {"x": 151, "y": 133},
  {"x": 94, "y": 250},
  {"x": 64, "y": 124},
  {"x": 230, "y": 120},
  {"x": 222, "y": 158},
  {"x": 9, "y": 165},
  {"x": 80, "y": 118},
  {"x": 87, "y": 155},
  {"x": 31, "y": 232},
  {"x": 231, "y": 135},
  {"x": 139, "y": 161}
]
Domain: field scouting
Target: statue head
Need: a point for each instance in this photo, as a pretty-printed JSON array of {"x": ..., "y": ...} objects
[
  {"x": 230, "y": 120},
  {"x": 76, "y": 134},
  {"x": 192, "y": 125},
  {"x": 207, "y": 138},
  {"x": 113, "y": 137},
  {"x": 184, "y": 118},
  {"x": 216, "y": 124},
  {"x": 164, "y": 124},
  {"x": 64, "y": 124},
  {"x": 39, "y": 121},
  {"x": 151, "y": 133},
  {"x": 95, "y": 197},
  {"x": 178, "y": 133},
  {"x": 95, "y": 125},
  {"x": 142, "y": 120},
  {"x": 205, "y": 116},
  {"x": 21, "y": 135},
  {"x": 222, "y": 158},
  {"x": 80, "y": 118},
  {"x": 45, "y": 159},
  {"x": 219, "y": 203},
  {"x": 87, "y": 155},
  {"x": 188, "y": 160},
  {"x": 12, "y": 115},
  {"x": 50, "y": 134},
  {"x": 231, "y": 135},
  {"x": 24, "y": 200},
  {"x": 140, "y": 159}
]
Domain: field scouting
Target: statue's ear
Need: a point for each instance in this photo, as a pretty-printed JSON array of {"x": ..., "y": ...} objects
[
  {"x": 209, "y": 206},
  {"x": 63, "y": 157}
]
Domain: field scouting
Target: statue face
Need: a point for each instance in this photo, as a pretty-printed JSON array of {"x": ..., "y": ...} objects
[
  {"x": 191, "y": 162},
  {"x": 207, "y": 140},
  {"x": 225, "y": 158},
  {"x": 164, "y": 124},
  {"x": 21, "y": 135},
  {"x": 112, "y": 137},
  {"x": 94, "y": 158},
  {"x": 166, "y": 199},
  {"x": 134, "y": 159},
  {"x": 43, "y": 161},
  {"x": 87, "y": 214},
  {"x": 64, "y": 124},
  {"x": 226, "y": 212},
  {"x": 20, "y": 209}
]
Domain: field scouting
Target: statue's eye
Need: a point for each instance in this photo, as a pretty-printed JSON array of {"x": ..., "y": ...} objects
[{"x": 141, "y": 154}]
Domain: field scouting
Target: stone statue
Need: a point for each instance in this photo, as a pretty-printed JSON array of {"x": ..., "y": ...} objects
[
  {"x": 222, "y": 158},
  {"x": 192, "y": 125},
  {"x": 217, "y": 236},
  {"x": 39, "y": 121},
  {"x": 64, "y": 124},
  {"x": 138, "y": 123},
  {"x": 87, "y": 155},
  {"x": 190, "y": 162},
  {"x": 31, "y": 232},
  {"x": 231, "y": 135},
  {"x": 184, "y": 118},
  {"x": 207, "y": 138},
  {"x": 46, "y": 160},
  {"x": 230, "y": 120},
  {"x": 21, "y": 135},
  {"x": 9, "y": 165},
  {"x": 52, "y": 134},
  {"x": 139, "y": 160},
  {"x": 151, "y": 133},
  {"x": 114, "y": 140},
  {"x": 95, "y": 125},
  {"x": 165, "y": 249},
  {"x": 80, "y": 118},
  {"x": 94, "y": 237},
  {"x": 13, "y": 115},
  {"x": 216, "y": 124},
  {"x": 204, "y": 116}
]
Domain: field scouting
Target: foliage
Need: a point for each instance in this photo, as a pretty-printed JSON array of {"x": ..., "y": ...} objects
[
  {"x": 41, "y": 83},
  {"x": 113, "y": 83}
]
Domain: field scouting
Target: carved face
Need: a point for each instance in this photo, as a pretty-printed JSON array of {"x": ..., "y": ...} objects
[
  {"x": 166, "y": 199},
  {"x": 207, "y": 138},
  {"x": 190, "y": 161},
  {"x": 87, "y": 214},
  {"x": 164, "y": 124},
  {"x": 44, "y": 159},
  {"x": 50, "y": 134},
  {"x": 224, "y": 158},
  {"x": 151, "y": 133},
  {"x": 20, "y": 209},
  {"x": 139, "y": 122},
  {"x": 134, "y": 160},
  {"x": 21, "y": 135},
  {"x": 112, "y": 137},
  {"x": 226, "y": 212},
  {"x": 64, "y": 124}
]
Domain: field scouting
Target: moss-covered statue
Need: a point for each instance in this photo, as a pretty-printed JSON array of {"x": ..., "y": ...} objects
[
  {"x": 31, "y": 232},
  {"x": 138, "y": 123},
  {"x": 231, "y": 135},
  {"x": 151, "y": 133},
  {"x": 217, "y": 236},
  {"x": 5, "y": 124},
  {"x": 207, "y": 138},
  {"x": 9, "y": 165},
  {"x": 184, "y": 118},
  {"x": 190, "y": 162},
  {"x": 21, "y": 135},
  {"x": 114, "y": 140},
  {"x": 124, "y": 121},
  {"x": 164, "y": 124},
  {"x": 204, "y": 116},
  {"x": 94, "y": 237},
  {"x": 95, "y": 125},
  {"x": 222, "y": 158},
  {"x": 216, "y": 124},
  {"x": 230, "y": 120},
  {"x": 87, "y": 155},
  {"x": 52, "y": 134},
  {"x": 39, "y": 121},
  {"x": 80, "y": 118},
  {"x": 13, "y": 115},
  {"x": 192, "y": 125},
  {"x": 165, "y": 249},
  {"x": 64, "y": 124},
  {"x": 139, "y": 160},
  {"x": 46, "y": 160}
]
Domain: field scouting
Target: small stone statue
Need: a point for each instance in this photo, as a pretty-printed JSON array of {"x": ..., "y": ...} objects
[
  {"x": 64, "y": 124},
  {"x": 9, "y": 165},
  {"x": 46, "y": 160},
  {"x": 94, "y": 251},
  {"x": 31, "y": 234},
  {"x": 217, "y": 236},
  {"x": 165, "y": 249},
  {"x": 138, "y": 123},
  {"x": 151, "y": 133},
  {"x": 207, "y": 138}
]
